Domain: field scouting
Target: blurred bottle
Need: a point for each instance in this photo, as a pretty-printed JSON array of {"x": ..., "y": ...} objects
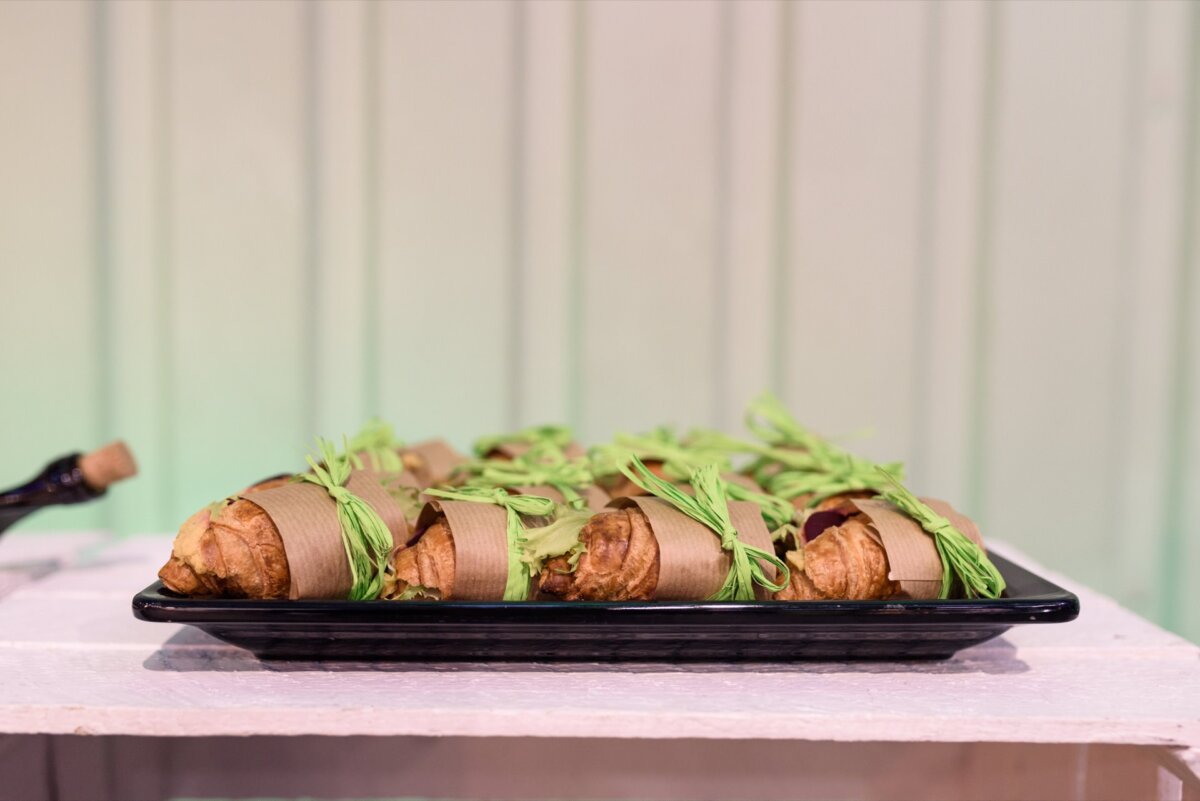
[{"x": 69, "y": 479}]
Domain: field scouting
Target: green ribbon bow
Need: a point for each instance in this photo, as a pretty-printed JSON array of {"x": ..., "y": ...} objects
[
  {"x": 843, "y": 473},
  {"x": 711, "y": 508},
  {"x": 961, "y": 557},
  {"x": 556, "y": 436},
  {"x": 366, "y": 538},
  {"x": 519, "y": 575},
  {"x": 661, "y": 444},
  {"x": 553, "y": 469},
  {"x": 706, "y": 439},
  {"x": 812, "y": 465},
  {"x": 377, "y": 441},
  {"x": 771, "y": 422}
]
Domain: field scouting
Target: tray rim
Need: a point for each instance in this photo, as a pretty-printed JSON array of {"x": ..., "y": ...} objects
[{"x": 1050, "y": 604}]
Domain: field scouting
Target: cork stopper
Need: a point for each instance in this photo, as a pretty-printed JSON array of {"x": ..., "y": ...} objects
[{"x": 107, "y": 465}]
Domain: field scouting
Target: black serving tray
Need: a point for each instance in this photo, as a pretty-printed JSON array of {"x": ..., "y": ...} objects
[{"x": 626, "y": 631}]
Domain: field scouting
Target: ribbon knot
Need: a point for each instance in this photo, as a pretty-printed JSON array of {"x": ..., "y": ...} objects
[
  {"x": 340, "y": 494},
  {"x": 541, "y": 465},
  {"x": 711, "y": 508},
  {"x": 962, "y": 558},
  {"x": 365, "y": 536}
]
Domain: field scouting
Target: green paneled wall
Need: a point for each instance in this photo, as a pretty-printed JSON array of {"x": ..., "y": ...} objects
[{"x": 967, "y": 230}]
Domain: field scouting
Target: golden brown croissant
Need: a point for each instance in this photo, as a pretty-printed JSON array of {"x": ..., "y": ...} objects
[
  {"x": 620, "y": 563},
  {"x": 426, "y": 567},
  {"x": 844, "y": 562},
  {"x": 238, "y": 555}
]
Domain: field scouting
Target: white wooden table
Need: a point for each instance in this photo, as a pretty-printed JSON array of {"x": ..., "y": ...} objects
[{"x": 1104, "y": 707}]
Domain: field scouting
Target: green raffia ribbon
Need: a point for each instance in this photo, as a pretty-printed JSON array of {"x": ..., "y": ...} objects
[
  {"x": 811, "y": 464},
  {"x": 711, "y": 508},
  {"x": 771, "y": 422},
  {"x": 844, "y": 473},
  {"x": 377, "y": 442},
  {"x": 559, "y": 538},
  {"x": 556, "y": 436},
  {"x": 706, "y": 439},
  {"x": 776, "y": 512},
  {"x": 661, "y": 444},
  {"x": 364, "y": 534},
  {"x": 540, "y": 466},
  {"x": 961, "y": 557},
  {"x": 517, "y": 586}
]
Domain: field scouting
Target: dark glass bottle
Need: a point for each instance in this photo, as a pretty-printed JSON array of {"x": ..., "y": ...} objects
[{"x": 62, "y": 482}]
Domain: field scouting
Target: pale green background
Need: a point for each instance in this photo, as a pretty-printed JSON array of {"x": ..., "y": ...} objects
[{"x": 969, "y": 229}]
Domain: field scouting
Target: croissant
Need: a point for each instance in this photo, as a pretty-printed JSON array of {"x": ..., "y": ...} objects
[
  {"x": 618, "y": 485},
  {"x": 234, "y": 550},
  {"x": 426, "y": 567},
  {"x": 238, "y": 555},
  {"x": 845, "y": 562},
  {"x": 620, "y": 562}
]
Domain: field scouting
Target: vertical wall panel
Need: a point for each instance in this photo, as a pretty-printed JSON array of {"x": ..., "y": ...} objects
[
  {"x": 49, "y": 280},
  {"x": 243, "y": 410},
  {"x": 940, "y": 458},
  {"x": 752, "y": 151},
  {"x": 138, "y": 281},
  {"x": 545, "y": 218},
  {"x": 1141, "y": 327},
  {"x": 850, "y": 328},
  {"x": 1181, "y": 604},
  {"x": 338, "y": 165},
  {"x": 445, "y": 218},
  {"x": 650, "y": 216},
  {"x": 1052, "y": 289}
]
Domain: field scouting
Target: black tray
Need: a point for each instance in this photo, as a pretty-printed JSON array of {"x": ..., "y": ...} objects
[{"x": 627, "y": 631}]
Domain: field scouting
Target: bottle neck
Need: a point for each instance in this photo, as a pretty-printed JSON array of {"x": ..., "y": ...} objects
[{"x": 60, "y": 483}]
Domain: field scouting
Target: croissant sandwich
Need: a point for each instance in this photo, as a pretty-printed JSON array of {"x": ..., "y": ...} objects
[
  {"x": 285, "y": 537},
  {"x": 872, "y": 549}
]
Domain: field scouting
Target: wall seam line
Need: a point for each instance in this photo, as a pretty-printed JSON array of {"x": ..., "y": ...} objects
[
  {"x": 985, "y": 210},
  {"x": 1179, "y": 422},
  {"x": 780, "y": 352}
]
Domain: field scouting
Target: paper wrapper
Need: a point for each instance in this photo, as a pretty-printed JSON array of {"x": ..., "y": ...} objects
[
  {"x": 440, "y": 460},
  {"x": 307, "y": 521},
  {"x": 480, "y": 532},
  {"x": 692, "y": 565},
  {"x": 595, "y": 497},
  {"x": 912, "y": 555},
  {"x": 514, "y": 449}
]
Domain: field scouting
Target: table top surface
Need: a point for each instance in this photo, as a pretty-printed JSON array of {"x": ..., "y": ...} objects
[{"x": 75, "y": 660}]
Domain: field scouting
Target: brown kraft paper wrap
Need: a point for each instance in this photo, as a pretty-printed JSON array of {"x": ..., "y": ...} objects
[
  {"x": 692, "y": 565},
  {"x": 913, "y": 558},
  {"x": 440, "y": 461},
  {"x": 595, "y": 498},
  {"x": 480, "y": 532},
  {"x": 307, "y": 521}
]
